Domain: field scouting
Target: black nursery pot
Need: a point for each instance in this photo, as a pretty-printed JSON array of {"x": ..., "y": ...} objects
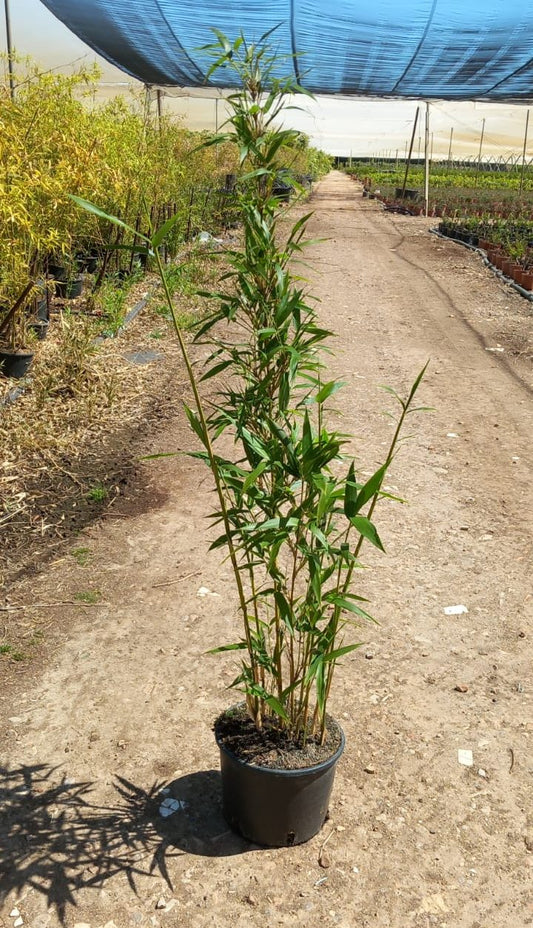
[
  {"x": 69, "y": 289},
  {"x": 274, "y": 807},
  {"x": 15, "y": 364}
]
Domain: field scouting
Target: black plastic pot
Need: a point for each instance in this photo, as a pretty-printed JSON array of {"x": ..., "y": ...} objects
[
  {"x": 40, "y": 328},
  {"x": 407, "y": 194},
  {"x": 15, "y": 364},
  {"x": 276, "y": 808},
  {"x": 69, "y": 289}
]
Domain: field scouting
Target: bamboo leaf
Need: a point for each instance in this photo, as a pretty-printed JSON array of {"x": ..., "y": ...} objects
[
  {"x": 368, "y": 530},
  {"x": 340, "y": 652},
  {"x": 196, "y": 425},
  {"x": 91, "y": 208},
  {"x": 239, "y": 646},
  {"x": 163, "y": 230},
  {"x": 328, "y": 390},
  {"x": 370, "y": 488},
  {"x": 350, "y": 493}
]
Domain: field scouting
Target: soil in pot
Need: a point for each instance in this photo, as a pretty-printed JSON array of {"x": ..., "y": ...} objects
[{"x": 274, "y": 794}]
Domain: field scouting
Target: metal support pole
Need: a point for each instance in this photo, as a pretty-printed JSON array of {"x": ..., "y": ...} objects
[
  {"x": 450, "y": 149},
  {"x": 426, "y": 163},
  {"x": 9, "y": 51},
  {"x": 481, "y": 143},
  {"x": 524, "y": 157},
  {"x": 159, "y": 96},
  {"x": 410, "y": 152}
]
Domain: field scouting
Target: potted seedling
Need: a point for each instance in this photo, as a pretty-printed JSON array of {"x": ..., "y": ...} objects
[{"x": 292, "y": 513}]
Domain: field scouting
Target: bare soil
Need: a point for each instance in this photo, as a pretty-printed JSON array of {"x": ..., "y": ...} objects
[{"x": 111, "y": 794}]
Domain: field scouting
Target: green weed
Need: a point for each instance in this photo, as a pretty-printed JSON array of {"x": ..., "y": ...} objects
[
  {"x": 82, "y": 556},
  {"x": 90, "y": 597},
  {"x": 97, "y": 494}
]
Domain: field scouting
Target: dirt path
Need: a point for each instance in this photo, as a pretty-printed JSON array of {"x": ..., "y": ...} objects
[{"x": 417, "y": 839}]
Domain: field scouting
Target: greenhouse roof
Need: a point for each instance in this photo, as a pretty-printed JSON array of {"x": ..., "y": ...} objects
[{"x": 430, "y": 49}]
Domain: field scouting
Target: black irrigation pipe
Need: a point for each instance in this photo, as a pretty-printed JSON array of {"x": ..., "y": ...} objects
[{"x": 527, "y": 294}]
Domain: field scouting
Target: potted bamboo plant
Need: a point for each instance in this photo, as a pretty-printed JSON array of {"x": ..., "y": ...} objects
[{"x": 292, "y": 513}]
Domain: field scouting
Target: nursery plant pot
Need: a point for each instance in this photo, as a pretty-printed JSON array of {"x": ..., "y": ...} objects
[
  {"x": 526, "y": 280},
  {"x": 497, "y": 258},
  {"x": 40, "y": 327},
  {"x": 276, "y": 807},
  {"x": 69, "y": 289},
  {"x": 407, "y": 194},
  {"x": 15, "y": 364}
]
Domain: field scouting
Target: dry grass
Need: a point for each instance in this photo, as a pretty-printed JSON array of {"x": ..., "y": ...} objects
[{"x": 68, "y": 441}]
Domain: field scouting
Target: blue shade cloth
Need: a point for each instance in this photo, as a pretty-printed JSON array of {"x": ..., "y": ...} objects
[{"x": 433, "y": 49}]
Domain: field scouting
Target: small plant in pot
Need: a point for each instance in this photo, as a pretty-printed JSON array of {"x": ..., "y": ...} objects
[
  {"x": 292, "y": 513},
  {"x": 16, "y": 335}
]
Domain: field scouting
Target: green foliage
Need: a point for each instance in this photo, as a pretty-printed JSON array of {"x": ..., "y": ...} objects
[
  {"x": 88, "y": 597},
  {"x": 97, "y": 494},
  {"x": 459, "y": 192},
  {"x": 82, "y": 556},
  {"x": 13, "y": 653},
  {"x": 291, "y": 512},
  {"x": 293, "y": 522}
]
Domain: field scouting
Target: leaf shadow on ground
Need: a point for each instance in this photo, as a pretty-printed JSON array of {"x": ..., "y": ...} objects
[{"x": 55, "y": 840}]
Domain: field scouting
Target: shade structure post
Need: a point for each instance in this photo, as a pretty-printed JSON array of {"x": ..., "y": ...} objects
[
  {"x": 450, "y": 149},
  {"x": 426, "y": 163},
  {"x": 9, "y": 51},
  {"x": 524, "y": 156},
  {"x": 481, "y": 143},
  {"x": 410, "y": 152}
]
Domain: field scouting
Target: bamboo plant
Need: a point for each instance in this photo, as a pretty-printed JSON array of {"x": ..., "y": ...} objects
[{"x": 292, "y": 513}]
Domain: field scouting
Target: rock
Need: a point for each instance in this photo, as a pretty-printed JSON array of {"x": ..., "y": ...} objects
[
  {"x": 14, "y": 913},
  {"x": 528, "y": 840},
  {"x": 161, "y": 903},
  {"x": 324, "y": 861},
  {"x": 370, "y": 769},
  {"x": 433, "y": 905},
  {"x": 18, "y": 922},
  {"x": 461, "y": 688}
]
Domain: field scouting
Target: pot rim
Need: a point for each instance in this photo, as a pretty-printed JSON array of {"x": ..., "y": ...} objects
[
  {"x": 17, "y": 352},
  {"x": 282, "y": 771}
]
